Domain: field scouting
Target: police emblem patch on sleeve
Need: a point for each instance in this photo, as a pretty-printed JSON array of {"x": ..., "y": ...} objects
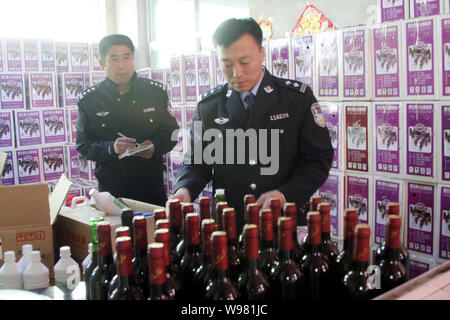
[{"x": 319, "y": 118}]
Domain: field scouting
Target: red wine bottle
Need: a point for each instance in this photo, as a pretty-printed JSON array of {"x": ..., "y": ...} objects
[
  {"x": 186, "y": 207},
  {"x": 268, "y": 255},
  {"x": 356, "y": 284},
  {"x": 120, "y": 232},
  {"x": 159, "y": 214},
  {"x": 157, "y": 272},
  {"x": 126, "y": 217},
  {"x": 140, "y": 265},
  {"x": 252, "y": 284},
  {"x": 313, "y": 207},
  {"x": 176, "y": 231},
  {"x": 286, "y": 279},
  {"x": 193, "y": 257},
  {"x": 314, "y": 265},
  {"x": 94, "y": 261},
  {"x": 219, "y": 220},
  {"x": 329, "y": 250},
  {"x": 126, "y": 288},
  {"x": 205, "y": 208},
  {"x": 345, "y": 257},
  {"x": 234, "y": 255},
  {"x": 393, "y": 208},
  {"x": 275, "y": 206},
  {"x": 173, "y": 284},
  {"x": 248, "y": 199},
  {"x": 290, "y": 210},
  {"x": 393, "y": 272},
  {"x": 105, "y": 270},
  {"x": 204, "y": 273},
  {"x": 220, "y": 287},
  {"x": 162, "y": 224}
]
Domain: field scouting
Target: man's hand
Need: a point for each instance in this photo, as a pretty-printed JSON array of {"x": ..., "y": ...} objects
[
  {"x": 182, "y": 194},
  {"x": 147, "y": 154},
  {"x": 123, "y": 144},
  {"x": 264, "y": 199}
]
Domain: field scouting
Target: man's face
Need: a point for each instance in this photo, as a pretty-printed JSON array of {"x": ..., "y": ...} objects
[
  {"x": 241, "y": 63},
  {"x": 119, "y": 64}
]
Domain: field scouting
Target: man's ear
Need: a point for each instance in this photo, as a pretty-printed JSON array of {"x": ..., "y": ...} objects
[{"x": 101, "y": 63}]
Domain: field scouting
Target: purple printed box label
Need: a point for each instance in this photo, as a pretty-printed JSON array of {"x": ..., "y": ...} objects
[
  {"x": 144, "y": 73},
  {"x": 304, "y": 59},
  {"x": 8, "y": 174},
  {"x": 28, "y": 164},
  {"x": 420, "y": 63},
  {"x": 445, "y": 120},
  {"x": 189, "y": 115},
  {"x": 28, "y": 128},
  {"x": 30, "y": 53},
  {"x": 74, "y": 84},
  {"x": 328, "y": 61},
  {"x": 85, "y": 172},
  {"x": 354, "y": 61},
  {"x": 220, "y": 79},
  {"x": 358, "y": 197},
  {"x": 175, "y": 75},
  {"x": 387, "y": 126},
  {"x": 79, "y": 57},
  {"x": 13, "y": 55},
  {"x": 392, "y": 10},
  {"x": 385, "y": 192},
  {"x": 157, "y": 75},
  {"x": 178, "y": 113},
  {"x": 12, "y": 87},
  {"x": 54, "y": 125},
  {"x": 204, "y": 73},
  {"x": 6, "y": 130},
  {"x": 331, "y": 112},
  {"x": 73, "y": 116},
  {"x": 74, "y": 162},
  {"x": 92, "y": 167},
  {"x": 279, "y": 50},
  {"x": 444, "y": 235},
  {"x": 62, "y": 57},
  {"x": 95, "y": 57},
  {"x": 420, "y": 139},
  {"x": 423, "y": 8},
  {"x": 416, "y": 268},
  {"x": 48, "y": 55},
  {"x": 97, "y": 77},
  {"x": 53, "y": 162},
  {"x": 420, "y": 217},
  {"x": 2, "y": 68},
  {"x": 386, "y": 61},
  {"x": 445, "y": 40},
  {"x": 357, "y": 148},
  {"x": 191, "y": 81},
  {"x": 329, "y": 192},
  {"x": 42, "y": 90}
]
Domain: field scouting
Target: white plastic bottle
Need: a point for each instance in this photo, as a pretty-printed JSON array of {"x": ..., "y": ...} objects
[
  {"x": 11, "y": 273},
  {"x": 67, "y": 270},
  {"x": 88, "y": 257},
  {"x": 36, "y": 275},
  {"x": 105, "y": 201},
  {"x": 26, "y": 256}
]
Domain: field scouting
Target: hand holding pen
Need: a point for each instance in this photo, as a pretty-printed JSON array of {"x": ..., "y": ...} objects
[{"x": 123, "y": 143}]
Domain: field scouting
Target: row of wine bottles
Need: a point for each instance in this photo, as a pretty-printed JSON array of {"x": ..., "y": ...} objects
[{"x": 193, "y": 257}]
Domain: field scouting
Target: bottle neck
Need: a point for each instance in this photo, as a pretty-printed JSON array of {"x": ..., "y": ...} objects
[
  {"x": 125, "y": 281},
  {"x": 285, "y": 256},
  {"x": 392, "y": 254},
  {"x": 221, "y": 274},
  {"x": 326, "y": 236},
  {"x": 207, "y": 259},
  {"x": 252, "y": 264},
  {"x": 140, "y": 254},
  {"x": 349, "y": 244},
  {"x": 157, "y": 290},
  {"x": 192, "y": 248},
  {"x": 316, "y": 248},
  {"x": 360, "y": 265},
  {"x": 232, "y": 243},
  {"x": 266, "y": 244},
  {"x": 105, "y": 260}
]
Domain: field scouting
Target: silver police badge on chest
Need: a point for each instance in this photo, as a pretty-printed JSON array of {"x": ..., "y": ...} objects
[
  {"x": 102, "y": 113},
  {"x": 221, "y": 120}
]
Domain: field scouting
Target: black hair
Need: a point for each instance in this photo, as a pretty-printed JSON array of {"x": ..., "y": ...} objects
[
  {"x": 232, "y": 29},
  {"x": 113, "y": 40}
]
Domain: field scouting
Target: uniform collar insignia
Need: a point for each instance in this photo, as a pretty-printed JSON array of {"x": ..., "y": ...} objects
[
  {"x": 229, "y": 92},
  {"x": 221, "y": 120},
  {"x": 103, "y": 113},
  {"x": 268, "y": 89}
]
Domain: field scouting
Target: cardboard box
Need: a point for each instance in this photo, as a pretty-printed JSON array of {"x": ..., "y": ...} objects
[
  {"x": 54, "y": 125},
  {"x": 219, "y": 79},
  {"x": 70, "y": 86},
  {"x": 9, "y": 165},
  {"x": 62, "y": 56},
  {"x": 95, "y": 57},
  {"x": 423, "y": 8},
  {"x": 13, "y": 55},
  {"x": 13, "y": 92},
  {"x": 177, "y": 79},
  {"x": 72, "y": 226},
  {"x": 47, "y": 55},
  {"x": 444, "y": 146},
  {"x": 42, "y": 89},
  {"x": 392, "y": 10},
  {"x": 190, "y": 77},
  {"x": 333, "y": 113},
  {"x": 280, "y": 57},
  {"x": 303, "y": 65},
  {"x": 444, "y": 47},
  {"x": 204, "y": 72},
  {"x": 143, "y": 73},
  {"x": 30, "y": 54},
  {"x": 158, "y": 75},
  {"x": 7, "y": 137},
  {"x": 177, "y": 111},
  {"x": 79, "y": 57},
  {"x": 442, "y": 223},
  {"x": 28, "y": 128},
  {"x": 97, "y": 77},
  {"x": 358, "y": 195},
  {"x": 2, "y": 58},
  {"x": 29, "y": 165}
]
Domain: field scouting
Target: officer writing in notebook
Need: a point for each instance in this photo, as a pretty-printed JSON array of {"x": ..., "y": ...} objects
[
  {"x": 120, "y": 113},
  {"x": 283, "y": 115}
]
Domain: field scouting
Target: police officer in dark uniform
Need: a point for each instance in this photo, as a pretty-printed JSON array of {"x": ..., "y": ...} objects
[
  {"x": 253, "y": 99},
  {"x": 120, "y": 113}
]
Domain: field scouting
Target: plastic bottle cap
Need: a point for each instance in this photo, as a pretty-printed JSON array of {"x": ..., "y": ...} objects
[
  {"x": 35, "y": 256},
  {"x": 138, "y": 213},
  {"x": 27, "y": 248},
  {"x": 10, "y": 256},
  {"x": 220, "y": 191},
  {"x": 64, "y": 252},
  {"x": 148, "y": 214}
]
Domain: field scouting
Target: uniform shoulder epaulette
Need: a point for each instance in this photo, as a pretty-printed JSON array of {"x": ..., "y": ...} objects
[
  {"x": 295, "y": 85},
  {"x": 211, "y": 93},
  {"x": 154, "y": 83},
  {"x": 88, "y": 91}
]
